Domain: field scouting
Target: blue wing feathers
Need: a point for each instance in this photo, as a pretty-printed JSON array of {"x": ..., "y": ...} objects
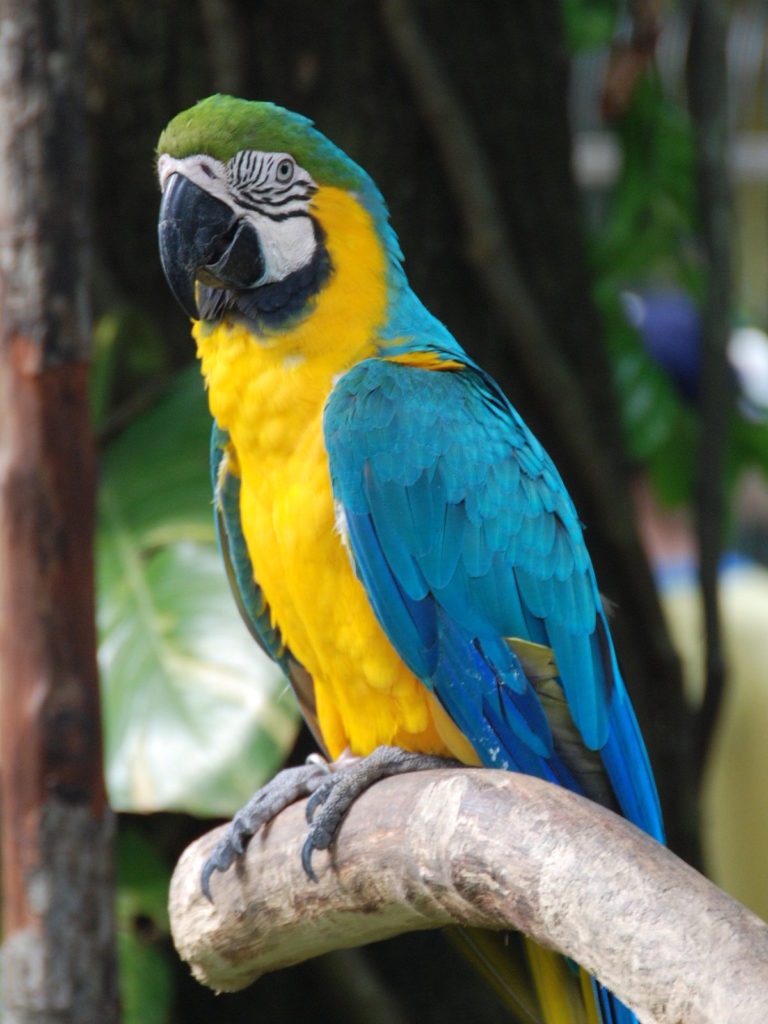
[
  {"x": 586, "y": 688},
  {"x": 504, "y": 476},
  {"x": 508, "y": 727},
  {"x": 624, "y": 754},
  {"x": 439, "y": 563},
  {"x": 422, "y": 512},
  {"x": 480, "y": 545},
  {"x": 463, "y": 535},
  {"x": 389, "y": 512},
  {"x": 412, "y": 621},
  {"x": 492, "y": 539}
]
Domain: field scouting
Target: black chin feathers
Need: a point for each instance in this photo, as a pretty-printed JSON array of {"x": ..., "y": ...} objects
[{"x": 273, "y": 303}]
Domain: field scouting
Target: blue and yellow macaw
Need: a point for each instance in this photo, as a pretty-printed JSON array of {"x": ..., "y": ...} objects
[{"x": 396, "y": 537}]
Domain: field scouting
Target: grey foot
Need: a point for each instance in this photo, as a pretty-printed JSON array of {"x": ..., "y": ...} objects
[
  {"x": 286, "y": 788},
  {"x": 335, "y": 794},
  {"x": 332, "y": 789}
]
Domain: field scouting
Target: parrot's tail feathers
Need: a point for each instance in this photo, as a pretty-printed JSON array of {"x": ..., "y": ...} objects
[
  {"x": 611, "y": 1010},
  {"x": 570, "y": 995},
  {"x": 501, "y": 711},
  {"x": 499, "y": 958},
  {"x": 537, "y": 985},
  {"x": 537, "y": 660},
  {"x": 625, "y": 757},
  {"x": 564, "y": 1000}
]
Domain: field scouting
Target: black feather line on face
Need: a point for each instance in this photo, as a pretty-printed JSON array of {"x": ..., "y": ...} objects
[{"x": 273, "y": 303}]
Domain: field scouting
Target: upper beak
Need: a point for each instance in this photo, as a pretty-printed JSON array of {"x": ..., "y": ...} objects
[{"x": 200, "y": 237}]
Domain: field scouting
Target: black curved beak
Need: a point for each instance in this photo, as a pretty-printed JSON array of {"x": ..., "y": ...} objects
[{"x": 201, "y": 238}]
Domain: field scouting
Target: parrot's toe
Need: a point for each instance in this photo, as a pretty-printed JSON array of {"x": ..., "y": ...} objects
[
  {"x": 286, "y": 788},
  {"x": 333, "y": 797},
  {"x": 332, "y": 789}
]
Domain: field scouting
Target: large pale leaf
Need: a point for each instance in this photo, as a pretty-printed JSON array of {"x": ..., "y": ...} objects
[
  {"x": 195, "y": 717},
  {"x": 734, "y": 826}
]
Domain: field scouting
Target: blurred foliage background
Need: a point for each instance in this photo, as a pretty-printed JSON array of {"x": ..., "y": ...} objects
[{"x": 598, "y": 209}]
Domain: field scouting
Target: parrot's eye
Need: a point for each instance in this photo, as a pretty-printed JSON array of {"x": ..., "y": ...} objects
[{"x": 284, "y": 170}]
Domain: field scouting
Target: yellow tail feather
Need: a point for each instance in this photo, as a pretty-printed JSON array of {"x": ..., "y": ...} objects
[
  {"x": 561, "y": 994},
  {"x": 537, "y": 660}
]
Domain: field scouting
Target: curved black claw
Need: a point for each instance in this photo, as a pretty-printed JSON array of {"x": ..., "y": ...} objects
[
  {"x": 286, "y": 788},
  {"x": 333, "y": 797}
]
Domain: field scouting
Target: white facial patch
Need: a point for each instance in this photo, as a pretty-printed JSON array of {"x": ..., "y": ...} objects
[
  {"x": 286, "y": 245},
  {"x": 269, "y": 190}
]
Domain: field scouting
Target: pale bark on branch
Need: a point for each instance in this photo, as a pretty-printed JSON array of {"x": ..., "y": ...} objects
[{"x": 485, "y": 849}]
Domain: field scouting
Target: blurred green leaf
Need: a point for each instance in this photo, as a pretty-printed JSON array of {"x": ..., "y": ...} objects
[
  {"x": 144, "y": 949},
  {"x": 660, "y": 430},
  {"x": 127, "y": 347},
  {"x": 589, "y": 23},
  {"x": 649, "y": 238},
  {"x": 143, "y": 878},
  {"x": 146, "y": 980},
  {"x": 650, "y": 232},
  {"x": 195, "y": 716},
  {"x": 747, "y": 446}
]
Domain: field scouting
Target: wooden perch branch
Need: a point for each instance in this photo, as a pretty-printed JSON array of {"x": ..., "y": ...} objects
[{"x": 487, "y": 849}]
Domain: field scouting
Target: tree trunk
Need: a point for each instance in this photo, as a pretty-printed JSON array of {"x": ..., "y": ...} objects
[{"x": 59, "y": 958}]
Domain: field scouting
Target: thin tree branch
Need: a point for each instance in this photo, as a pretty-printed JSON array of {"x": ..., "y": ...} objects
[
  {"x": 707, "y": 80},
  {"x": 485, "y": 849}
]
